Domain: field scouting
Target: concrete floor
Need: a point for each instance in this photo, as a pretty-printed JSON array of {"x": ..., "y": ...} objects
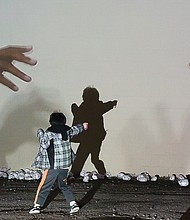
[{"x": 101, "y": 199}]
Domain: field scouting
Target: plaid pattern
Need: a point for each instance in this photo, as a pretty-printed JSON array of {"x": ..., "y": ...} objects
[{"x": 62, "y": 149}]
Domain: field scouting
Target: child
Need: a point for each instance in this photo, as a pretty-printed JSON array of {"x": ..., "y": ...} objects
[{"x": 55, "y": 158}]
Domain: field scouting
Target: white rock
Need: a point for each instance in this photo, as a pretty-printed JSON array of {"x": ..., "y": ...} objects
[
  {"x": 126, "y": 177},
  {"x": 120, "y": 175}
]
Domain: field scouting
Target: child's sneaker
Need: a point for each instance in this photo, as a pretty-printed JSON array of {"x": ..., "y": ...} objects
[
  {"x": 74, "y": 208},
  {"x": 35, "y": 210}
]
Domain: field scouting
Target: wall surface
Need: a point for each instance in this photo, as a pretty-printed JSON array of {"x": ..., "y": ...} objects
[{"x": 133, "y": 51}]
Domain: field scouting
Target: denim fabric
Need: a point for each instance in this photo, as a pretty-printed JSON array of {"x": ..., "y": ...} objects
[{"x": 57, "y": 177}]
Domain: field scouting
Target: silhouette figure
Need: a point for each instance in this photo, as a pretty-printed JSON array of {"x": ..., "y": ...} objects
[{"x": 90, "y": 110}]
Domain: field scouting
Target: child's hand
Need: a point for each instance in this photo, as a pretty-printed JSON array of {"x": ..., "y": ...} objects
[
  {"x": 7, "y": 56},
  {"x": 85, "y": 125}
]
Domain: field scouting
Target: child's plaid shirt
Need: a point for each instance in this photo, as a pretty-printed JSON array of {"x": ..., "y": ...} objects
[{"x": 62, "y": 148}]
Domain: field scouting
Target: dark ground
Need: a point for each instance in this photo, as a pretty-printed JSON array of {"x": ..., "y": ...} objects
[{"x": 104, "y": 199}]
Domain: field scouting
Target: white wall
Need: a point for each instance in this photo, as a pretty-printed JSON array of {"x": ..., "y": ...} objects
[{"x": 133, "y": 51}]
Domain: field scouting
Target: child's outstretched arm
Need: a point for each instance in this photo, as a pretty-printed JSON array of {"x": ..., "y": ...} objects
[{"x": 75, "y": 130}]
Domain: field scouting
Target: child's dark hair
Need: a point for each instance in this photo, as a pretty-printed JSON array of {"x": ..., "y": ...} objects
[{"x": 57, "y": 118}]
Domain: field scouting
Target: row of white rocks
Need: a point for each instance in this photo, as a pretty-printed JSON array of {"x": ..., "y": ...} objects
[
  {"x": 29, "y": 174},
  {"x": 142, "y": 177},
  {"x": 22, "y": 174},
  {"x": 145, "y": 177}
]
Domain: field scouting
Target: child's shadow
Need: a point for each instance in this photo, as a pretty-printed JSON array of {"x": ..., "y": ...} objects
[
  {"x": 91, "y": 110},
  {"x": 83, "y": 201}
]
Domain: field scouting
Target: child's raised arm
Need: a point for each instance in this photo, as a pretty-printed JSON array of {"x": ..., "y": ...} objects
[{"x": 75, "y": 130}]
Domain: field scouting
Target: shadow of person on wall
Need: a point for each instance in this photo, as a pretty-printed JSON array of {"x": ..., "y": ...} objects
[{"x": 91, "y": 110}]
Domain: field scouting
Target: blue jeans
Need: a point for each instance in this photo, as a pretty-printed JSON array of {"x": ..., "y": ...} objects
[{"x": 49, "y": 178}]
